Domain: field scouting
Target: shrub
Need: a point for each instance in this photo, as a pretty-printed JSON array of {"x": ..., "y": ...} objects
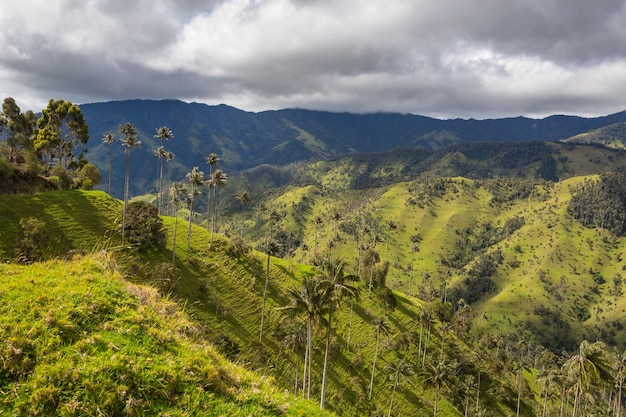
[{"x": 144, "y": 227}]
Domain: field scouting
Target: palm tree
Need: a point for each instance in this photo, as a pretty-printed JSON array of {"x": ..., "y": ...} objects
[
  {"x": 380, "y": 326},
  {"x": 294, "y": 341},
  {"x": 163, "y": 133},
  {"x": 586, "y": 368},
  {"x": 175, "y": 190},
  {"x": 211, "y": 160},
  {"x": 169, "y": 155},
  {"x": 437, "y": 376},
  {"x": 271, "y": 248},
  {"x": 335, "y": 286},
  {"x": 242, "y": 198},
  {"x": 620, "y": 372},
  {"x": 400, "y": 371},
  {"x": 109, "y": 139},
  {"x": 130, "y": 141},
  {"x": 218, "y": 180},
  {"x": 546, "y": 378},
  {"x": 309, "y": 301},
  {"x": 160, "y": 153},
  {"x": 196, "y": 179}
]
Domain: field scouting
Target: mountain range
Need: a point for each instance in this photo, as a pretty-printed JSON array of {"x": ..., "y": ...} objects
[{"x": 245, "y": 140}]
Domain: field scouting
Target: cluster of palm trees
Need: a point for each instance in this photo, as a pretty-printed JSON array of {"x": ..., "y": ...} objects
[{"x": 316, "y": 300}]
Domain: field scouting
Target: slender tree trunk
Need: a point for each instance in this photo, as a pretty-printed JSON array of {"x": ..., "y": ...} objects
[
  {"x": 190, "y": 220},
  {"x": 466, "y": 406},
  {"x": 393, "y": 391},
  {"x": 267, "y": 280},
  {"x": 310, "y": 337},
  {"x": 436, "y": 400},
  {"x": 350, "y": 325},
  {"x": 295, "y": 385},
  {"x": 519, "y": 391},
  {"x": 576, "y": 401},
  {"x": 160, "y": 186},
  {"x": 619, "y": 397},
  {"x": 175, "y": 229},
  {"x": 326, "y": 355},
  {"x": 126, "y": 185},
  {"x": 374, "y": 365},
  {"x": 110, "y": 158},
  {"x": 478, "y": 392},
  {"x": 562, "y": 401},
  {"x": 545, "y": 402}
]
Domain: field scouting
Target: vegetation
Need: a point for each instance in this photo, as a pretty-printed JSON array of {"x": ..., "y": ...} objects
[{"x": 476, "y": 296}]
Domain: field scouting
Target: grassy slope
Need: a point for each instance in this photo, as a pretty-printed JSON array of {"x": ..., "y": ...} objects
[
  {"x": 77, "y": 339},
  {"x": 224, "y": 293}
]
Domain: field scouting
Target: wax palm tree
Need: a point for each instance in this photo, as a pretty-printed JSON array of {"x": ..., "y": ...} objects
[
  {"x": 399, "y": 372},
  {"x": 546, "y": 378},
  {"x": 130, "y": 141},
  {"x": 620, "y": 373},
  {"x": 437, "y": 376},
  {"x": 242, "y": 198},
  {"x": 109, "y": 139},
  {"x": 380, "y": 327},
  {"x": 211, "y": 160},
  {"x": 175, "y": 191},
  {"x": 218, "y": 180},
  {"x": 589, "y": 367},
  {"x": 295, "y": 340},
  {"x": 309, "y": 301},
  {"x": 160, "y": 153},
  {"x": 271, "y": 248},
  {"x": 196, "y": 179},
  {"x": 335, "y": 285}
]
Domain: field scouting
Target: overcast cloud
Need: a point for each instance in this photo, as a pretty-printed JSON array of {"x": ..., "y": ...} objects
[{"x": 444, "y": 58}]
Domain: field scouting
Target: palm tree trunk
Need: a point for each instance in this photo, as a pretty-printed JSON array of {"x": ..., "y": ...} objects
[
  {"x": 175, "y": 229},
  {"x": 267, "y": 280},
  {"x": 619, "y": 397},
  {"x": 110, "y": 158},
  {"x": 436, "y": 400},
  {"x": 576, "y": 401},
  {"x": 350, "y": 325},
  {"x": 126, "y": 185},
  {"x": 478, "y": 392},
  {"x": 374, "y": 365},
  {"x": 545, "y": 402},
  {"x": 310, "y": 342},
  {"x": 190, "y": 219},
  {"x": 326, "y": 355},
  {"x": 160, "y": 186},
  {"x": 519, "y": 391},
  {"x": 393, "y": 391}
]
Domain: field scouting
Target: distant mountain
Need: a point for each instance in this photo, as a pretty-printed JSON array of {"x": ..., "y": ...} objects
[{"x": 246, "y": 139}]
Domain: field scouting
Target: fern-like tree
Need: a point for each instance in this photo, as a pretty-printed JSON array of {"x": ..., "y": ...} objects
[
  {"x": 196, "y": 180},
  {"x": 381, "y": 327},
  {"x": 129, "y": 141},
  {"x": 399, "y": 372},
  {"x": 109, "y": 139},
  {"x": 335, "y": 285},
  {"x": 175, "y": 192},
  {"x": 163, "y": 133},
  {"x": 588, "y": 368}
]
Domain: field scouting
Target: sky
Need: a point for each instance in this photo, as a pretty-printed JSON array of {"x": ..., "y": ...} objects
[{"x": 445, "y": 58}]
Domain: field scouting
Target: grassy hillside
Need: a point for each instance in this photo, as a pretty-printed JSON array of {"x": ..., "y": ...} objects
[
  {"x": 90, "y": 324},
  {"x": 78, "y": 339}
]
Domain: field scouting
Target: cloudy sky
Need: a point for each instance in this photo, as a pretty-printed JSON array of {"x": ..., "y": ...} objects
[{"x": 444, "y": 58}]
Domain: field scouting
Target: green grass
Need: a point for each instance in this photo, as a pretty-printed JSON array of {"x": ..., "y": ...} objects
[{"x": 77, "y": 339}]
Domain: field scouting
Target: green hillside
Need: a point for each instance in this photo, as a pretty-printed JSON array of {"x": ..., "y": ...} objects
[{"x": 87, "y": 312}]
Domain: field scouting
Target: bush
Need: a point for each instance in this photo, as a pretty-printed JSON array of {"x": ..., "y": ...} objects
[
  {"x": 32, "y": 240},
  {"x": 63, "y": 179},
  {"x": 144, "y": 227}
]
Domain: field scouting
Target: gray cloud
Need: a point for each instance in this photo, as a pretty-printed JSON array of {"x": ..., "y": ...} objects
[{"x": 450, "y": 58}]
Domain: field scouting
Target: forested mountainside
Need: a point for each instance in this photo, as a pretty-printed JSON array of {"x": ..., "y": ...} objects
[{"x": 245, "y": 139}]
